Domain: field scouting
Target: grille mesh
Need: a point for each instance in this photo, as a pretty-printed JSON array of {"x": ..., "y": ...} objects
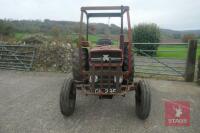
[{"x": 115, "y": 56}]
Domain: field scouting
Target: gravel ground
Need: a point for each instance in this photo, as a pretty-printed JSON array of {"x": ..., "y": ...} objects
[{"x": 29, "y": 102}]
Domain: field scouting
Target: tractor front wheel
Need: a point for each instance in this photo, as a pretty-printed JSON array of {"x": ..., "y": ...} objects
[
  {"x": 143, "y": 99},
  {"x": 68, "y": 97}
]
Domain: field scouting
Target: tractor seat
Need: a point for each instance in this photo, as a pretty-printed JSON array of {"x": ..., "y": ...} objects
[{"x": 104, "y": 42}]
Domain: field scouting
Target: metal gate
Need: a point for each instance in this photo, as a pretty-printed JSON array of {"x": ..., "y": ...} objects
[
  {"x": 17, "y": 57},
  {"x": 168, "y": 61}
]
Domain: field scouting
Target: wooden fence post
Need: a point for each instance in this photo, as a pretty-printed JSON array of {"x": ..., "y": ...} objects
[
  {"x": 198, "y": 73},
  {"x": 191, "y": 60}
]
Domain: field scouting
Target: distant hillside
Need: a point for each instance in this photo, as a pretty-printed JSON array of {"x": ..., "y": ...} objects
[
  {"x": 69, "y": 27},
  {"x": 196, "y": 32},
  {"x": 167, "y": 33},
  {"x": 52, "y": 27}
]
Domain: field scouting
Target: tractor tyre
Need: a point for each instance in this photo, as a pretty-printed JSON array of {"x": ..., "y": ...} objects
[
  {"x": 125, "y": 63},
  {"x": 143, "y": 99},
  {"x": 133, "y": 70},
  {"x": 76, "y": 66},
  {"x": 68, "y": 97}
]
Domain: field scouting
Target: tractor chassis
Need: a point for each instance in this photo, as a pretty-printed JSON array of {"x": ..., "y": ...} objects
[{"x": 98, "y": 69}]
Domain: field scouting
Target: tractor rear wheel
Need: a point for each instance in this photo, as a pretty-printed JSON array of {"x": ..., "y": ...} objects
[
  {"x": 143, "y": 99},
  {"x": 133, "y": 70},
  {"x": 68, "y": 97},
  {"x": 76, "y": 66},
  {"x": 125, "y": 63}
]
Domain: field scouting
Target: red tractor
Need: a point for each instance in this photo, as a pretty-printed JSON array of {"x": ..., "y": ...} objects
[{"x": 103, "y": 70}]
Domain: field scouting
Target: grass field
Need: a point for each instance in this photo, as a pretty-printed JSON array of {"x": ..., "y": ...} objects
[
  {"x": 174, "y": 51},
  {"x": 95, "y": 38},
  {"x": 19, "y": 36}
]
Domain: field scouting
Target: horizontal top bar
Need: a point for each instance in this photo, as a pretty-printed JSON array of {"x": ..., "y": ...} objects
[
  {"x": 162, "y": 43},
  {"x": 161, "y": 50},
  {"x": 104, "y": 14},
  {"x": 105, "y": 8}
]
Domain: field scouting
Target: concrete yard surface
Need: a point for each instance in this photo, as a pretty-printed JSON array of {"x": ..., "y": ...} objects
[{"x": 29, "y": 102}]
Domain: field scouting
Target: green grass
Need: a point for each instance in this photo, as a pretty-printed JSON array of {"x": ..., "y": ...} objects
[
  {"x": 19, "y": 36},
  {"x": 180, "y": 52},
  {"x": 93, "y": 38}
]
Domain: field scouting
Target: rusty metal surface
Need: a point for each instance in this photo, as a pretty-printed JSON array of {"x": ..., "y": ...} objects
[
  {"x": 120, "y": 13},
  {"x": 103, "y": 48},
  {"x": 105, "y": 76},
  {"x": 105, "y": 80},
  {"x": 105, "y": 8},
  {"x": 104, "y": 15}
]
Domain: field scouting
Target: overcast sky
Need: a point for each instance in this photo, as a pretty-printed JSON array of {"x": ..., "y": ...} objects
[{"x": 171, "y": 14}]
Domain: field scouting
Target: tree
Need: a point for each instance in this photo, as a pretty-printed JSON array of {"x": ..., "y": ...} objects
[
  {"x": 146, "y": 33},
  {"x": 55, "y": 30},
  {"x": 6, "y": 29}
]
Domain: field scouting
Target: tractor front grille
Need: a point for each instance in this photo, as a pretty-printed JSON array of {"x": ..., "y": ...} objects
[
  {"x": 105, "y": 79},
  {"x": 105, "y": 75},
  {"x": 106, "y": 65},
  {"x": 106, "y": 56}
]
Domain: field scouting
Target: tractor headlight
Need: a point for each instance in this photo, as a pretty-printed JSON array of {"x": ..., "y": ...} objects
[
  {"x": 120, "y": 79},
  {"x": 95, "y": 78}
]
